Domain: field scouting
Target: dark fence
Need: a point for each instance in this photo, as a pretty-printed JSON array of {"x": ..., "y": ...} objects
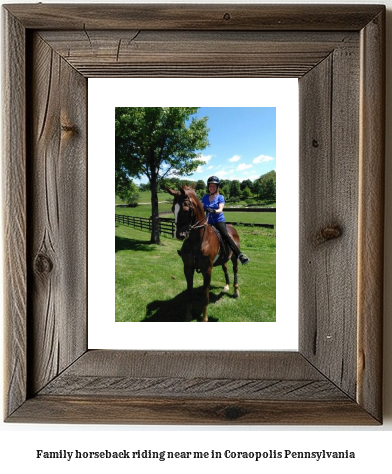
[
  {"x": 248, "y": 224},
  {"x": 250, "y": 209},
  {"x": 167, "y": 225}
]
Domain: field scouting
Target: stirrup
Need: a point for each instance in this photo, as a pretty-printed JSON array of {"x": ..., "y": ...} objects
[{"x": 243, "y": 259}]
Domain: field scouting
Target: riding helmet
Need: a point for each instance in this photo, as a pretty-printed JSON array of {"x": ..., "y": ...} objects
[{"x": 213, "y": 180}]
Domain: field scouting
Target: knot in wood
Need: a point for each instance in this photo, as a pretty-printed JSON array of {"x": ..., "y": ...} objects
[
  {"x": 69, "y": 128},
  {"x": 227, "y": 16},
  {"x": 315, "y": 143},
  {"x": 233, "y": 412},
  {"x": 328, "y": 233},
  {"x": 43, "y": 264}
]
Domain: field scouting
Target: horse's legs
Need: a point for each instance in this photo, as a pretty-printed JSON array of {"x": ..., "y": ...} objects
[
  {"x": 235, "y": 270},
  {"x": 207, "y": 283},
  {"x": 227, "y": 278},
  {"x": 189, "y": 272}
]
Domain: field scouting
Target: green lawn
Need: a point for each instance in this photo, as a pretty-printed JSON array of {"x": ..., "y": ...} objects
[{"x": 150, "y": 284}]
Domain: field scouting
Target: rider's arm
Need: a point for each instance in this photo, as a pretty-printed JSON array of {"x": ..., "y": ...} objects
[{"x": 220, "y": 208}]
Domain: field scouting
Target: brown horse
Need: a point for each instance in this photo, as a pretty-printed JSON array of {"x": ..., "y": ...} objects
[{"x": 202, "y": 248}]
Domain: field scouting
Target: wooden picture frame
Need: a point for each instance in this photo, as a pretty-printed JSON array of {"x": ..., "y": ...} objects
[{"x": 338, "y": 54}]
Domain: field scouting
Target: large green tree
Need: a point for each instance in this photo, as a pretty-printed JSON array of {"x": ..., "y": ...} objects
[
  {"x": 265, "y": 186},
  {"x": 158, "y": 142}
]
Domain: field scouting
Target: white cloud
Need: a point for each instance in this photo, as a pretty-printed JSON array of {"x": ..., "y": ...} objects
[
  {"x": 205, "y": 158},
  {"x": 234, "y": 158},
  {"x": 223, "y": 173},
  {"x": 263, "y": 159},
  {"x": 243, "y": 166}
]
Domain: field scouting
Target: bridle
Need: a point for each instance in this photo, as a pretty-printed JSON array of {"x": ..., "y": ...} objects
[{"x": 196, "y": 225}]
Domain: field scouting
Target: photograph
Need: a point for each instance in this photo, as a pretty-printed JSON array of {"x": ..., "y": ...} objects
[{"x": 195, "y": 214}]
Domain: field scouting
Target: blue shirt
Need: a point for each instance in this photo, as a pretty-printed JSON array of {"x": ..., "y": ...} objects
[{"x": 213, "y": 218}]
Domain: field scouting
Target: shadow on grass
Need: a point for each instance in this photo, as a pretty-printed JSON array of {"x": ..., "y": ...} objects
[
  {"x": 132, "y": 244},
  {"x": 173, "y": 310}
]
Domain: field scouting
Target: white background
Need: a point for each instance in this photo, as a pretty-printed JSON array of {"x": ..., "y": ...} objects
[
  {"x": 372, "y": 445},
  {"x": 104, "y": 333}
]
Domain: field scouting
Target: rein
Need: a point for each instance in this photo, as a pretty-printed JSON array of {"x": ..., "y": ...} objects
[
  {"x": 194, "y": 227},
  {"x": 197, "y": 226}
]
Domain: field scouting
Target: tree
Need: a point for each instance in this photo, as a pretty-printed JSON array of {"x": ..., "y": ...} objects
[
  {"x": 235, "y": 189},
  {"x": 129, "y": 193},
  {"x": 144, "y": 187},
  {"x": 158, "y": 142},
  {"x": 265, "y": 186},
  {"x": 269, "y": 189},
  {"x": 246, "y": 193},
  {"x": 247, "y": 183},
  {"x": 200, "y": 185},
  {"x": 225, "y": 190}
]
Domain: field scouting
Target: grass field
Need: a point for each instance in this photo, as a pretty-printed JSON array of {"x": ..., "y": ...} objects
[{"x": 150, "y": 284}]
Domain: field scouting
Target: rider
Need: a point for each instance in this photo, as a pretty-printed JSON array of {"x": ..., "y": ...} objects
[{"x": 213, "y": 203}]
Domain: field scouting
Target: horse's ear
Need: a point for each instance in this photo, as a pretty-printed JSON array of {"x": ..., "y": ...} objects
[{"x": 171, "y": 191}]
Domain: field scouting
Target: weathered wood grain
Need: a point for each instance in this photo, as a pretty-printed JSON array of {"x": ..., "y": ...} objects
[
  {"x": 329, "y": 143},
  {"x": 156, "y": 411},
  {"x": 195, "y": 17},
  {"x": 179, "y": 374},
  {"x": 192, "y": 387},
  {"x": 126, "y": 53},
  {"x": 57, "y": 209},
  {"x": 204, "y": 388},
  {"x": 371, "y": 215},
  {"x": 14, "y": 208},
  {"x": 208, "y": 364}
]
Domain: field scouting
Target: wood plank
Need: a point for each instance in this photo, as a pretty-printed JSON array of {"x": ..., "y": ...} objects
[
  {"x": 98, "y": 54},
  {"x": 189, "y": 387},
  {"x": 126, "y": 43},
  {"x": 14, "y": 209},
  {"x": 328, "y": 216},
  {"x": 193, "y": 17},
  {"x": 371, "y": 216},
  {"x": 57, "y": 209},
  {"x": 108, "y": 410},
  {"x": 202, "y": 364},
  {"x": 187, "y": 374}
]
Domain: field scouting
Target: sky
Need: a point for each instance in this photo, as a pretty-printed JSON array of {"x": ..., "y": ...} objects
[{"x": 242, "y": 143}]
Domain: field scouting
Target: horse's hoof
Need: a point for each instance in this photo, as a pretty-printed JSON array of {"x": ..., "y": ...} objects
[
  {"x": 236, "y": 294},
  {"x": 226, "y": 289}
]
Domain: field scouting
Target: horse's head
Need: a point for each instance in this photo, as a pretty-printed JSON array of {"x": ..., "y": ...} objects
[{"x": 184, "y": 209}]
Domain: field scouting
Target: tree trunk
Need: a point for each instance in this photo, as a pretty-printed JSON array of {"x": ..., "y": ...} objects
[{"x": 154, "y": 212}]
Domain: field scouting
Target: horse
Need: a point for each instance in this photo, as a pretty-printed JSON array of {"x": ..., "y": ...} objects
[{"x": 202, "y": 248}]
